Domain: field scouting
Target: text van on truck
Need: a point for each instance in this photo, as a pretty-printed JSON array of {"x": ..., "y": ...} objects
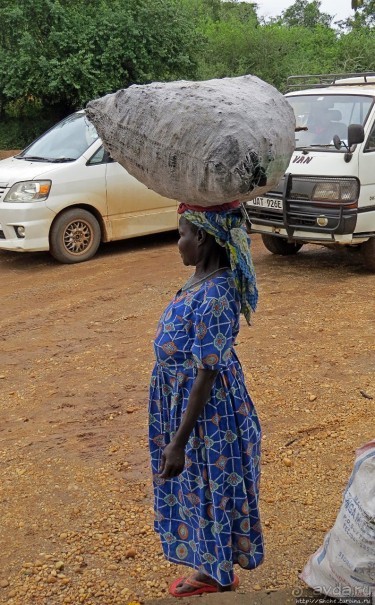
[
  {"x": 327, "y": 195},
  {"x": 65, "y": 194}
]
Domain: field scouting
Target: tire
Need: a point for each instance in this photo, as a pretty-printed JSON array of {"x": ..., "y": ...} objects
[
  {"x": 279, "y": 245},
  {"x": 368, "y": 253},
  {"x": 75, "y": 236}
]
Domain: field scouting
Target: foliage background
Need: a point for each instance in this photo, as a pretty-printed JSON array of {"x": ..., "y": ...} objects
[{"x": 55, "y": 55}]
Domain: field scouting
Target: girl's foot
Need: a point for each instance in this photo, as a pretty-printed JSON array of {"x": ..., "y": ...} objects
[{"x": 198, "y": 583}]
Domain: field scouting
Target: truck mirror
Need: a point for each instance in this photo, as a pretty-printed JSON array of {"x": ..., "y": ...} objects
[
  {"x": 337, "y": 141},
  {"x": 356, "y": 134}
]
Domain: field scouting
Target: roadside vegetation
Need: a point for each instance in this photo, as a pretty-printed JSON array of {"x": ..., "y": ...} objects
[{"x": 55, "y": 55}]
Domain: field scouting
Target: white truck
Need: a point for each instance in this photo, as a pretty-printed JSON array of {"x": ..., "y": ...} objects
[{"x": 327, "y": 195}]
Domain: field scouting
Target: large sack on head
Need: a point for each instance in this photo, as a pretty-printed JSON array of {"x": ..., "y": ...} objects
[{"x": 204, "y": 143}]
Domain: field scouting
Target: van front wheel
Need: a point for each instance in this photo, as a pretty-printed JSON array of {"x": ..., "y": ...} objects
[
  {"x": 368, "y": 253},
  {"x": 279, "y": 245},
  {"x": 75, "y": 236}
]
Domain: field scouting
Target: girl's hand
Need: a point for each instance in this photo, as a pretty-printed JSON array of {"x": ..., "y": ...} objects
[{"x": 172, "y": 461}]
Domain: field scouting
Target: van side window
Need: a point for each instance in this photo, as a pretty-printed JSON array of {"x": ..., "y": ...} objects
[
  {"x": 101, "y": 156},
  {"x": 97, "y": 158},
  {"x": 370, "y": 145}
]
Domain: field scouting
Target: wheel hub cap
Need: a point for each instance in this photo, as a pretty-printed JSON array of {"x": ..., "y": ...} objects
[{"x": 77, "y": 237}]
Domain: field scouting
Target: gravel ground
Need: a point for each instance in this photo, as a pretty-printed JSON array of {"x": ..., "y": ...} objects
[{"x": 75, "y": 360}]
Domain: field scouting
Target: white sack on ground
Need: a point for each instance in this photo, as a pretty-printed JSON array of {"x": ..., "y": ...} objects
[
  {"x": 203, "y": 143},
  {"x": 344, "y": 567}
]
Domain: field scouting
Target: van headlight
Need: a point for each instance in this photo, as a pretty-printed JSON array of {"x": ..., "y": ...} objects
[
  {"x": 28, "y": 191},
  {"x": 339, "y": 190}
]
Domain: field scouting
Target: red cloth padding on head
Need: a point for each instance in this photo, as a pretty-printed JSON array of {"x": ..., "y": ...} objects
[{"x": 220, "y": 208}]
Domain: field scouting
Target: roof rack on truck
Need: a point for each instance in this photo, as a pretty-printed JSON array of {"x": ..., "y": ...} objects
[{"x": 323, "y": 80}]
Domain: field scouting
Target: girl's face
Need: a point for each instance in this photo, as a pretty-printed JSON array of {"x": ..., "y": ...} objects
[{"x": 188, "y": 243}]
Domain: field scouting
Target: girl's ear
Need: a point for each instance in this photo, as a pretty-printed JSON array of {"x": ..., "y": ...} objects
[{"x": 201, "y": 236}]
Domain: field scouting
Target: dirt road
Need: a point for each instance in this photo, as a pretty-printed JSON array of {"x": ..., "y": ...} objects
[{"x": 76, "y": 354}]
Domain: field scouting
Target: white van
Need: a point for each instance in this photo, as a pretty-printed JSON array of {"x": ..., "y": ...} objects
[
  {"x": 327, "y": 195},
  {"x": 64, "y": 194}
]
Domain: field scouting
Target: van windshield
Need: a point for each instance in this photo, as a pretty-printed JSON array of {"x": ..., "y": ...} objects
[
  {"x": 65, "y": 142},
  {"x": 323, "y": 116}
]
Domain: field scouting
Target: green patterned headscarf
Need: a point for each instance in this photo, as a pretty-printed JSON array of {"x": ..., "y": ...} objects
[{"x": 228, "y": 229}]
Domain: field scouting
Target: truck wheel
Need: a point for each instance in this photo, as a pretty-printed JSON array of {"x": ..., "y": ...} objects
[
  {"x": 368, "y": 253},
  {"x": 75, "y": 236},
  {"x": 279, "y": 245}
]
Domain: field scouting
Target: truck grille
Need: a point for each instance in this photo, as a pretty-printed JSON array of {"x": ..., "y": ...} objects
[
  {"x": 302, "y": 213},
  {"x": 296, "y": 195},
  {"x": 275, "y": 217},
  {"x": 302, "y": 220}
]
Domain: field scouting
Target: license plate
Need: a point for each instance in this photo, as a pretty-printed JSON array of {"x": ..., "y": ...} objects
[{"x": 270, "y": 203}]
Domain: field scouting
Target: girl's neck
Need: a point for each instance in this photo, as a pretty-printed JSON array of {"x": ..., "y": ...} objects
[
  {"x": 207, "y": 267},
  {"x": 198, "y": 279},
  {"x": 212, "y": 259}
]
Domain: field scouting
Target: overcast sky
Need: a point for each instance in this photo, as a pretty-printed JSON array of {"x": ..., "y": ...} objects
[{"x": 339, "y": 9}]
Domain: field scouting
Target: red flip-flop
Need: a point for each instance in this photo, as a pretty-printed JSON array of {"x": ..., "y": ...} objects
[{"x": 199, "y": 587}]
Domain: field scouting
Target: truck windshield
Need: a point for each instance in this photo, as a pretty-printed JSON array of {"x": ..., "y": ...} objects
[
  {"x": 323, "y": 116},
  {"x": 65, "y": 142}
]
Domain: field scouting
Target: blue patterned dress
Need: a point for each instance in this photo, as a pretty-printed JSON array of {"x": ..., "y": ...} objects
[{"x": 208, "y": 516}]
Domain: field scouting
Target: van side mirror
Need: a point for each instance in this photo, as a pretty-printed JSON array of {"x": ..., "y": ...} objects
[{"x": 356, "y": 134}]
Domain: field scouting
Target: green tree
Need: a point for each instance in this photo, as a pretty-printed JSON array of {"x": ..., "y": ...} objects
[
  {"x": 305, "y": 14},
  {"x": 58, "y": 54},
  {"x": 364, "y": 14},
  {"x": 356, "y": 51},
  {"x": 271, "y": 52},
  {"x": 278, "y": 52},
  {"x": 225, "y": 38},
  {"x": 243, "y": 12},
  {"x": 64, "y": 52}
]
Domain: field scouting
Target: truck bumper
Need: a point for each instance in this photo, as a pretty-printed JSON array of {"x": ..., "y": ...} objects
[
  {"x": 306, "y": 236},
  {"x": 302, "y": 224}
]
